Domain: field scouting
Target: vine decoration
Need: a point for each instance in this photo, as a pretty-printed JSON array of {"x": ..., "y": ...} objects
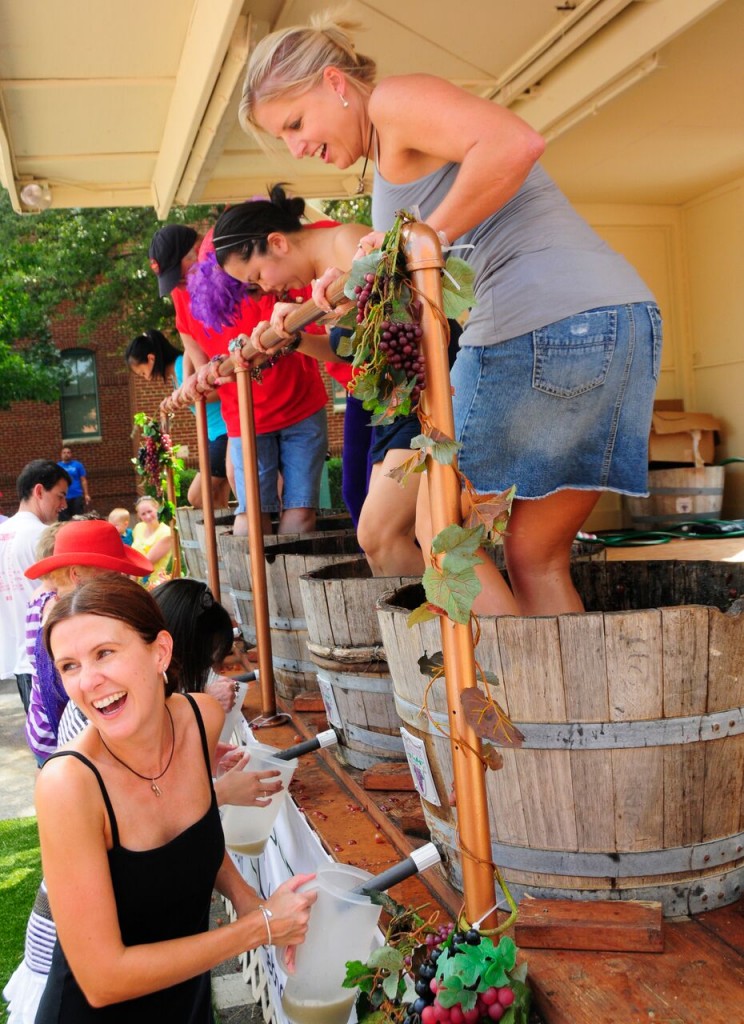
[{"x": 156, "y": 455}]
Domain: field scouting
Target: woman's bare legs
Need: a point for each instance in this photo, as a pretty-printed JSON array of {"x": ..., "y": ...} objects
[
  {"x": 537, "y": 547},
  {"x": 386, "y": 524}
]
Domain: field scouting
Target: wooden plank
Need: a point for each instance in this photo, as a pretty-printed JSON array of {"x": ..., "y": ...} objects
[
  {"x": 697, "y": 980},
  {"x": 597, "y": 924},
  {"x": 308, "y": 702},
  {"x": 388, "y": 775}
]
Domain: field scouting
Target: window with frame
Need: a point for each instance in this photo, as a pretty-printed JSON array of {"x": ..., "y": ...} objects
[
  {"x": 79, "y": 398},
  {"x": 340, "y": 394}
]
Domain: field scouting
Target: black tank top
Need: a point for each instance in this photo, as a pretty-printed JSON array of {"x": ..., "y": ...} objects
[{"x": 163, "y": 893}]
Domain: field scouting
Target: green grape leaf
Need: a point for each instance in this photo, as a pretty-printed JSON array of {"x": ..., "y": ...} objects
[
  {"x": 520, "y": 972},
  {"x": 359, "y": 269},
  {"x": 366, "y": 385},
  {"x": 457, "y": 287},
  {"x": 487, "y": 720},
  {"x": 438, "y": 445},
  {"x": 399, "y": 307},
  {"x": 346, "y": 345},
  {"x": 390, "y": 986},
  {"x": 456, "y": 540},
  {"x": 424, "y": 613},
  {"x": 454, "y": 592},
  {"x": 451, "y": 997},
  {"x": 356, "y": 974},
  {"x": 495, "y": 975},
  {"x": 387, "y": 957},
  {"x": 376, "y": 1017}
]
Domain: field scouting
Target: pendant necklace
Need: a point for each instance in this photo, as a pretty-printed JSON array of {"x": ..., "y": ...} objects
[
  {"x": 153, "y": 780},
  {"x": 361, "y": 186}
]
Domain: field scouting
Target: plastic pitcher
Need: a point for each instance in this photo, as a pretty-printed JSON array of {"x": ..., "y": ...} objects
[
  {"x": 246, "y": 829},
  {"x": 234, "y": 715},
  {"x": 342, "y": 928}
]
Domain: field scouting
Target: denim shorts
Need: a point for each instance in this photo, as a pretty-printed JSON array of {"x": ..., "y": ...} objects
[
  {"x": 298, "y": 453},
  {"x": 217, "y": 455},
  {"x": 565, "y": 406}
]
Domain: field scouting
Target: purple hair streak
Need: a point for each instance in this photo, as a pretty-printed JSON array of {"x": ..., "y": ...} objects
[{"x": 215, "y": 296}]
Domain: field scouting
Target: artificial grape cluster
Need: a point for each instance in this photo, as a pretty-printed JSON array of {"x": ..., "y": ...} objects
[
  {"x": 148, "y": 458},
  {"x": 491, "y": 1004},
  {"x": 397, "y": 341}
]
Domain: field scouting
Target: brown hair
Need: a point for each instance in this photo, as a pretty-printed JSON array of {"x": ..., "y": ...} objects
[
  {"x": 293, "y": 60},
  {"x": 114, "y": 596}
]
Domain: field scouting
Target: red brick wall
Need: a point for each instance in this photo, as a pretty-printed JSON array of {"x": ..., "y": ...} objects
[{"x": 32, "y": 430}]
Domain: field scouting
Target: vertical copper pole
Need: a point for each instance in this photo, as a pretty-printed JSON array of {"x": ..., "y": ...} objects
[
  {"x": 255, "y": 543},
  {"x": 210, "y": 538},
  {"x": 424, "y": 261},
  {"x": 170, "y": 493}
]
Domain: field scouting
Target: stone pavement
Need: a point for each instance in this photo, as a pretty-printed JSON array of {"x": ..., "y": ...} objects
[{"x": 18, "y": 770}]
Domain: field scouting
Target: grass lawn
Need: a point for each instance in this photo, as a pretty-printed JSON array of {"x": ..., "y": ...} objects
[{"x": 20, "y": 874}]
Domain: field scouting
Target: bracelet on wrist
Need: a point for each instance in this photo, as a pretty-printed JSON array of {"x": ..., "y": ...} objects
[{"x": 267, "y": 916}]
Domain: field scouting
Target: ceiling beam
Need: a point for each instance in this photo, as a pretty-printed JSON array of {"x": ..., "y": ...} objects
[
  {"x": 220, "y": 117},
  {"x": 621, "y": 53},
  {"x": 7, "y": 173},
  {"x": 210, "y": 31}
]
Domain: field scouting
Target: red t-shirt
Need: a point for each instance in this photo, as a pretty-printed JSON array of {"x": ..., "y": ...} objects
[{"x": 290, "y": 391}]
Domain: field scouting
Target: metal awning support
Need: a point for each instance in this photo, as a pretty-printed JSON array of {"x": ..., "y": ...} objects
[{"x": 210, "y": 537}]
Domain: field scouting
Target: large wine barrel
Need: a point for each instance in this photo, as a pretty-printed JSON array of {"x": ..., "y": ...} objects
[
  {"x": 344, "y": 641},
  {"x": 630, "y": 781},
  {"x": 286, "y": 562},
  {"x": 678, "y": 495}
]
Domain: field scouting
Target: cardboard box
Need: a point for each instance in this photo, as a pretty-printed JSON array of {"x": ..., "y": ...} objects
[{"x": 683, "y": 438}]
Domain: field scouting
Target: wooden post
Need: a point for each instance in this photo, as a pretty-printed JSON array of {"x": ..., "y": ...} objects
[
  {"x": 256, "y": 546},
  {"x": 210, "y": 539},
  {"x": 424, "y": 261},
  {"x": 170, "y": 489}
]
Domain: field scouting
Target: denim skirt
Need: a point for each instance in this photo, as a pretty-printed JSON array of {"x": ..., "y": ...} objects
[{"x": 565, "y": 406}]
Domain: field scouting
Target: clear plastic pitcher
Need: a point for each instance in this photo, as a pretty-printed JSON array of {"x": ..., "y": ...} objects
[
  {"x": 246, "y": 829},
  {"x": 342, "y": 928},
  {"x": 234, "y": 715}
]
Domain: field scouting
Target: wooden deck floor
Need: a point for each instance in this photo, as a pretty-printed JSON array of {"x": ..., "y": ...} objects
[{"x": 698, "y": 979}]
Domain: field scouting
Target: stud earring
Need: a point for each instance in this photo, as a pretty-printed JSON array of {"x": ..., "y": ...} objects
[{"x": 344, "y": 101}]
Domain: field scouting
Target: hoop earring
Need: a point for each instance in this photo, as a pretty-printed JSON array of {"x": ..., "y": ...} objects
[{"x": 344, "y": 101}]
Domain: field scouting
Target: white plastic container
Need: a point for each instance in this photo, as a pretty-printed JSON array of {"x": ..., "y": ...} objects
[
  {"x": 342, "y": 928},
  {"x": 246, "y": 829},
  {"x": 234, "y": 715}
]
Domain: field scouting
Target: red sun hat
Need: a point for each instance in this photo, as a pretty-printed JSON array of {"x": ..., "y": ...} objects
[{"x": 91, "y": 542}]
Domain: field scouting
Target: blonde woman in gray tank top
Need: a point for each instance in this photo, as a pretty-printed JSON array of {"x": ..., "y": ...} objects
[{"x": 558, "y": 363}]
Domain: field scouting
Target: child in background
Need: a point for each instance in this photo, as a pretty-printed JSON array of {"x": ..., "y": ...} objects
[{"x": 120, "y": 518}]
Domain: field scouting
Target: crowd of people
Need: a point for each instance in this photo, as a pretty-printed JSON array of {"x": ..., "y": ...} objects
[{"x": 553, "y": 384}]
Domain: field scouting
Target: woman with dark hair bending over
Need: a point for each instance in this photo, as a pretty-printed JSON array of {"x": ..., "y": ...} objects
[
  {"x": 265, "y": 245},
  {"x": 558, "y": 363},
  {"x": 152, "y": 357},
  {"x": 131, "y": 840}
]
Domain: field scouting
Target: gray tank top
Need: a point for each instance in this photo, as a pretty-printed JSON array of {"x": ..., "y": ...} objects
[{"x": 535, "y": 260}]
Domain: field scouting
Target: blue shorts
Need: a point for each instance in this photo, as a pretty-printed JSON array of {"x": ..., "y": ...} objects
[
  {"x": 217, "y": 456},
  {"x": 565, "y": 406},
  {"x": 298, "y": 453}
]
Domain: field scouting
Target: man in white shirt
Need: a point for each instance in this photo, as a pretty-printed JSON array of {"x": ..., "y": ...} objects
[{"x": 41, "y": 486}]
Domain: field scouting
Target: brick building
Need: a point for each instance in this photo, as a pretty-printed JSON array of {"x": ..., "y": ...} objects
[{"x": 94, "y": 417}]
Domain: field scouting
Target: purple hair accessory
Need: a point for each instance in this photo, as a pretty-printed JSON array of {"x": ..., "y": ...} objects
[{"x": 215, "y": 296}]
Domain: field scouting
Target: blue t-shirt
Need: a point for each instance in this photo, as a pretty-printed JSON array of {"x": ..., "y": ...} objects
[
  {"x": 215, "y": 423},
  {"x": 76, "y": 471}
]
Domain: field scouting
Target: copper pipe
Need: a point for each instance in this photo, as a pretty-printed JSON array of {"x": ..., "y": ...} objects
[
  {"x": 210, "y": 537},
  {"x": 256, "y": 544},
  {"x": 424, "y": 261},
  {"x": 170, "y": 492}
]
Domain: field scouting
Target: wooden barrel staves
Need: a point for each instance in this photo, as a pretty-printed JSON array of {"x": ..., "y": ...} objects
[
  {"x": 196, "y": 565},
  {"x": 344, "y": 641},
  {"x": 286, "y": 562},
  {"x": 630, "y": 780},
  {"x": 234, "y": 551},
  {"x": 678, "y": 495}
]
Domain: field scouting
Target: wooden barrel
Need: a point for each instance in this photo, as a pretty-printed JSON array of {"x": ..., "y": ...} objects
[
  {"x": 194, "y": 561},
  {"x": 344, "y": 641},
  {"x": 294, "y": 672},
  {"x": 630, "y": 781},
  {"x": 677, "y": 496},
  {"x": 234, "y": 553}
]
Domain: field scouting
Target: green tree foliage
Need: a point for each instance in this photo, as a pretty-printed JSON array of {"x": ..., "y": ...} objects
[
  {"x": 92, "y": 260},
  {"x": 356, "y": 208}
]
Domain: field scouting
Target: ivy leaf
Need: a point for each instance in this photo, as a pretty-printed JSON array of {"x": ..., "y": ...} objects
[
  {"x": 438, "y": 445},
  {"x": 487, "y": 720},
  {"x": 386, "y": 957},
  {"x": 457, "y": 287},
  {"x": 431, "y": 665},
  {"x": 415, "y": 463},
  {"x": 390, "y": 986},
  {"x": 424, "y": 613},
  {"x": 452, "y": 591},
  {"x": 491, "y": 511}
]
